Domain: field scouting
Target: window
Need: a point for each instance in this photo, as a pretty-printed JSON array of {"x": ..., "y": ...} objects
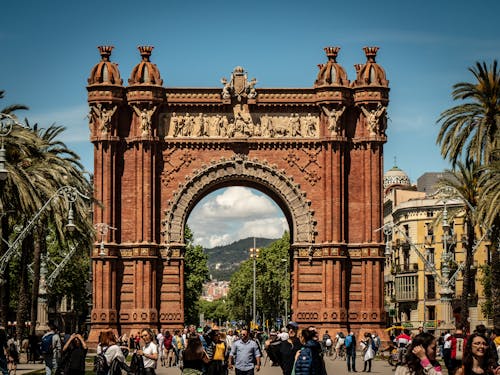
[{"x": 431, "y": 287}]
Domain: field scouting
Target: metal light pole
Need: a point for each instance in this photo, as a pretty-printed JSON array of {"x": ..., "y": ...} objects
[
  {"x": 446, "y": 291},
  {"x": 287, "y": 280},
  {"x": 6, "y": 123},
  {"x": 103, "y": 229},
  {"x": 254, "y": 254},
  {"x": 71, "y": 194}
]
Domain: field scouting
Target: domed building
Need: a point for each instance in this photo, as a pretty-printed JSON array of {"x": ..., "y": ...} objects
[{"x": 396, "y": 178}]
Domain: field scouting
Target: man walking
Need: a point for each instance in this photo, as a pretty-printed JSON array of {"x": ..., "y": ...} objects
[
  {"x": 51, "y": 350},
  {"x": 245, "y": 355},
  {"x": 350, "y": 349}
]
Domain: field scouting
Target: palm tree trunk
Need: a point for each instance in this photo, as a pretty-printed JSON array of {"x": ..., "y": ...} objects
[
  {"x": 23, "y": 302},
  {"x": 467, "y": 282},
  {"x": 37, "y": 255},
  {"x": 495, "y": 272}
]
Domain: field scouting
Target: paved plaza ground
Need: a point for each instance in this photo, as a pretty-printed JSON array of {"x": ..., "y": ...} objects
[{"x": 332, "y": 366}]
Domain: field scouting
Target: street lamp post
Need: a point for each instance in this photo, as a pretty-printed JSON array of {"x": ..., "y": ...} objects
[
  {"x": 71, "y": 194},
  {"x": 6, "y": 123},
  {"x": 103, "y": 229},
  {"x": 254, "y": 254},
  {"x": 446, "y": 291}
]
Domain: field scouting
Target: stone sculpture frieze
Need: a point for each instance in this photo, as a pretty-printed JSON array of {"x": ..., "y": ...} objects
[{"x": 240, "y": 124}]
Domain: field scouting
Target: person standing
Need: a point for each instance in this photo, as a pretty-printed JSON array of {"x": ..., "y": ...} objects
[
  {"x": 74, "y": 353},
  {"x": 51, "y": 349},
  {"x": 368, "y": 352},
  {"x": 350, "y": 350},
  {"x": 3, "y": 350},
  {"x": 244, "y": 355},
  {"x": 309, "y": 359},
  {"x": 478, "y": 358},
  {"x": 287, "y": 348},
  {"x": 194, "y": 356},
  {"x": 149, "y": 352},
  {"x": 421, "y": 357}
]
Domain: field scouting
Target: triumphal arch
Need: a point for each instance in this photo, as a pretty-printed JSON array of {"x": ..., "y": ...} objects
[{"x": 316, "y": 151}]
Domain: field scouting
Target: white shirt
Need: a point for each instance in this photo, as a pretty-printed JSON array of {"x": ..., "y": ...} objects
[
  {"x": 111, "y": 352},
  {"x": 447, "y": 343},
  {"x": 149, "y": 349}
]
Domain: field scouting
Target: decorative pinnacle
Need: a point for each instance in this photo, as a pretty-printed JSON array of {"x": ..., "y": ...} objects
[
  {"x": 105, "y": 52},
  {"x": 145, "y": 52},
  {"x": 370, "y": 53},
  {"x": 332, "y": 52}
]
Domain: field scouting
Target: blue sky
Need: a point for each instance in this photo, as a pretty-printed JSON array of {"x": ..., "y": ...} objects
[{"x": 49, "y": 48}]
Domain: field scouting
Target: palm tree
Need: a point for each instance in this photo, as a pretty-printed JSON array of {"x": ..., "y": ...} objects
[
  {"x": 6, "y": 206},
  {"x": 55, "y": 166},
  {"x": 471, "y": 129},
  {"x": 464, "y": 181}
]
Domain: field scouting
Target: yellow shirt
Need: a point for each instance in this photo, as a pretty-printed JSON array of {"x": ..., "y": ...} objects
[{"x": 220, "y": 349}]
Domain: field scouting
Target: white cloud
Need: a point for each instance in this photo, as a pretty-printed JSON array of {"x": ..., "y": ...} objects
[
  {"x": 238, "y": 202},
  {"x": 230, "y": 214}
]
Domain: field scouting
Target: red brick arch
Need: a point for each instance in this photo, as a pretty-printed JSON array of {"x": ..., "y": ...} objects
[
  {"x": 235, "y": 171},
  {"x": 318, "y": 152}
]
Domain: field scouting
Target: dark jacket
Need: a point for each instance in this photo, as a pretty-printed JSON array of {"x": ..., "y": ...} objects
[
  {"x": 285, "y": 353},
  {"x": 317, "y": 365}
]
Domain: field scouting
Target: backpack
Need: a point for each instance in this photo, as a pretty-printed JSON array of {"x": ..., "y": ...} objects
[
  {"x": 348, "y": 341},
  {"x": 101, "y": 366},
  {"x": 303, "y": 364},
  {"x": 374, "y": 345},
  {"x": 46, "y": 344},
  {"x": 458, "y": 354}
]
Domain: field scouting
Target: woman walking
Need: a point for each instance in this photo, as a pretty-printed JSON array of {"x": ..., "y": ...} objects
[{"x": 149, "y": 352}]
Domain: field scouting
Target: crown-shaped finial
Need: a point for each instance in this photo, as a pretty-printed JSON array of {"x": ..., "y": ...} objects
[
  {"x": 145, "y": 51},
  {"x": 370, "y": 53},
  {"x": 105, "y": 52},
  {"x": 332, "y": 52}
]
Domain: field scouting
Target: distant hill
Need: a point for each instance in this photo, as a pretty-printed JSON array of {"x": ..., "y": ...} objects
[{"x": 223, "y": 261}]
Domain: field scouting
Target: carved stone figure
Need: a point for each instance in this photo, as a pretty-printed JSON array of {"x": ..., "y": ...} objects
[
  {"x": 188, "y": 124},
  {"x": 294, "y": 125},
  {"x": 145, "y": 118},
  {"x": 198, "y": 126},
  {"x": 103, "y": 117},
  {"x": 310, "y": 126},
  {"x": 226, "y": 90},
  {"x": 251, "y": 88},
  {"x": 265, "y": 126},
  {"x": 333, "y": 119},
  {"x": 372, "y": 118}
]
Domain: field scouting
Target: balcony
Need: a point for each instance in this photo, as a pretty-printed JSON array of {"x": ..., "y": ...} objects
[{"x": 406, "y": 288}]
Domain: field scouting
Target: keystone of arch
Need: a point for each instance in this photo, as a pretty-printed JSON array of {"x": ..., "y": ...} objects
[{"x": 240, "y": 168}]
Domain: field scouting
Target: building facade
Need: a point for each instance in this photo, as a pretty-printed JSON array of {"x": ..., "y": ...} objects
[
  {"x": 413, "y": 274},
  {"x": 317, "y": 152}
]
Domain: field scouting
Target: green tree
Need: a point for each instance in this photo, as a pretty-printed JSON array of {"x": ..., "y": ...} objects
[
  {"x": 195, "y": 274},
  {"x": 216, "y": 311},
  {"x": 272, "y": 283}
]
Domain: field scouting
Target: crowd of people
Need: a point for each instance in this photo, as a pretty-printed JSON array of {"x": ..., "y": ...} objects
[{"x": 211, "y": 351}]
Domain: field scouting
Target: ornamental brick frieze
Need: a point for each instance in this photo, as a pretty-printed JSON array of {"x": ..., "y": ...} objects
[
  {"x": 338, "y": 315},
  {"x": 104, "y": 315},
  {"x": 138, "y": 315},
  {"x": 308, "y": 167},
  {"x": 237, "y": 168},
  {"x": 365, "y": 251}
]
